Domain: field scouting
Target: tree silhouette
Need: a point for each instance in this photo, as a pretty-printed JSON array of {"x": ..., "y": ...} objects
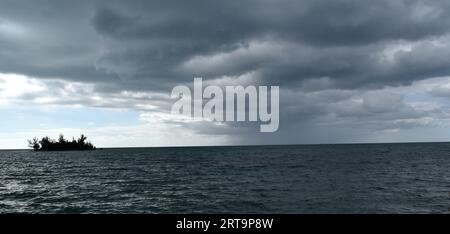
[
  {"x": 61, "y": 139},
  {"x": 82, "y": 139},
  {"x": 34, "y": 143}
]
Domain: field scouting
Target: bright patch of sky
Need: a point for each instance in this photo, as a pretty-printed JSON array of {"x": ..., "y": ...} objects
[{"x": 22, "y": 118}]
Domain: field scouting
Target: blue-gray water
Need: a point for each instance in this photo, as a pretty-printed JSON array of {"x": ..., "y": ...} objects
[{"x": 365, "y": 178}]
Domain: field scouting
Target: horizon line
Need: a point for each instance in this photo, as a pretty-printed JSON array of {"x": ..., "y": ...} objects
[{"x": 250, "y": 145}]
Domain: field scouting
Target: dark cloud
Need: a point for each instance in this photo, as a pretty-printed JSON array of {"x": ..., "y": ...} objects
[
  {"x": 323, "y": 54},
  {"x": 149, "y": 44},
  {"x": 340, "y": 40},
  {"x": 343, "y": 22}
]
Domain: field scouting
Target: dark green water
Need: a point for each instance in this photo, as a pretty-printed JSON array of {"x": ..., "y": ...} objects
[{"x": 365, "y": 178}]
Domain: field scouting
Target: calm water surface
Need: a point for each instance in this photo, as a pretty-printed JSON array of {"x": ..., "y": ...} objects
[{"x": 364, "y": 178}]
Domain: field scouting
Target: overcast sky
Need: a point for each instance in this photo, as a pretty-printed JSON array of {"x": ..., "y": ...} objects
[{"x": 348, "y": 71}]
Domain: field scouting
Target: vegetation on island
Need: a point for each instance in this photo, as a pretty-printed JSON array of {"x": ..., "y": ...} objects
[{"x": 48, "y": 144}]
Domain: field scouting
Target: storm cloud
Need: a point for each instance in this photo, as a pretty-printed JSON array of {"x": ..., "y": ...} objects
[{"x": 351, "y": 68}]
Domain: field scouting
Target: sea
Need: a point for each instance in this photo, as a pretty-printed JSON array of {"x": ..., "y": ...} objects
[{"x": 341, "y": 178}]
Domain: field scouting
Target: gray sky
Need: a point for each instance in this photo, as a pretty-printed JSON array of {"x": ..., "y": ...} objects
[{"x": 348, "y": 71}]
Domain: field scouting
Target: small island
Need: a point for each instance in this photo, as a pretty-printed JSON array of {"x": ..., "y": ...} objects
[{"x": 47, "y": 144}]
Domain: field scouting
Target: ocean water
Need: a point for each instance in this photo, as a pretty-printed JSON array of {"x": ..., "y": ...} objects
[{"x": 360, "y": 178}]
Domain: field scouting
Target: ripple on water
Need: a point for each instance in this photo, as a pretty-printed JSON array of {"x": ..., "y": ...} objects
[{"x": 394, "y": 178}]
